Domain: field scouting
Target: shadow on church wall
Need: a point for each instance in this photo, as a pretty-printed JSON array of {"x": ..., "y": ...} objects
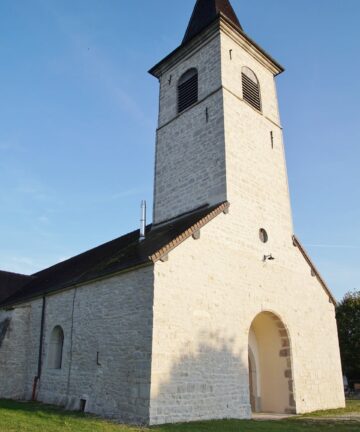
[
  {"x": 4, "y": 325},
  {"x": 208, "y": 381}
]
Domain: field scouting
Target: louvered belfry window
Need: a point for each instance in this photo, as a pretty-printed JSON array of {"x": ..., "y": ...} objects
[
  {"x": 188, "y": 90},
  {"x": 251, "y": 88}
]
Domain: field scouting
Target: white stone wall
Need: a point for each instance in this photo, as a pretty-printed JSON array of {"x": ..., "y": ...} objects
[
  {"x": 14, "y": 353},
  {"x": 206, "y": 297},
  {"x": 210, "y": 291},
  {"x": 190, "y": 153},
  {"x": 231, "y": 68},
  {"x": 206, "y": 59},
  {"x": 256, "y": 172},
  {"x": 112, "y": 317},
  {"x": 258, "y": 191},
  {"x": 191, "y": 168}
]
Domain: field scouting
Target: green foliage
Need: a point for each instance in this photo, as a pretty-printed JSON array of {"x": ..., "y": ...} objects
[
  {"x": 348, "y": 319},
  {"x": 30, "y": 417}
]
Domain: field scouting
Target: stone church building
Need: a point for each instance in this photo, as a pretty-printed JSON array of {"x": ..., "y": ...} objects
[{"x": 215, "y": 310}]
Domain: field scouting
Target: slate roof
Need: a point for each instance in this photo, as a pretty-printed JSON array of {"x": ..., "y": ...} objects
[
  {"x": 207, "y": 11},
  {"x": 10, "y": 283},
  {"x": 123, "y": 253}
]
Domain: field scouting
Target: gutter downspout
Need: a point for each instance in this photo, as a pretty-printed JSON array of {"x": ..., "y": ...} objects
[{"x": 37, "y": 378}]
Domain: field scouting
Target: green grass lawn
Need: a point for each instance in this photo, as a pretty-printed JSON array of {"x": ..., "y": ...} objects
[
  {"x": 34, "y": 417},
  {"x": 352, "y": 406}
]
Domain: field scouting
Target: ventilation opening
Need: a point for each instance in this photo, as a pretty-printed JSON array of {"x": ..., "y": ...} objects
[
  {"x": 187, "y": 90},
  {"x": 251, "y": 88},
  {"x": 263, "y": 235},
  {"x": 82, "y": 405}
]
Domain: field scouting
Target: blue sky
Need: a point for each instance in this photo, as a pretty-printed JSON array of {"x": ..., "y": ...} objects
[{"x": 78, "y": 115}]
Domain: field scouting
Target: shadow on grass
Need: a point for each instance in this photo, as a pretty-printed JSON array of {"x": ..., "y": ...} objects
[
  {"x": 75, "y": 422},
  {"x": 295, "y": 424},
  {"x": 36, "y": 417},
  {"x": 36, "y": 407},
  {"x": 261, "y": 426}
]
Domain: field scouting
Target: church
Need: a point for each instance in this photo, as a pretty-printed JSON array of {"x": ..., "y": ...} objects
[{"x": 213, "y": 311}]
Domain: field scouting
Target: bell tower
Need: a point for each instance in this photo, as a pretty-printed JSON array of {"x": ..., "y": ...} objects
[{"x": 219, "y": 135}]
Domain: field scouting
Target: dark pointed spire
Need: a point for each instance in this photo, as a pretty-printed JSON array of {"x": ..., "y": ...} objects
[{"x": 205, "y": 12}]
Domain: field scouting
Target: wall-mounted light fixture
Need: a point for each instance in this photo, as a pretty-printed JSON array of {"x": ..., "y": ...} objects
[{"x": 268, "y": 258}]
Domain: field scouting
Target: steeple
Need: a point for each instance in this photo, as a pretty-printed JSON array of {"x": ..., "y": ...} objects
[
  {"x": 217, "y": 107},
  {"x": 207, "y": 11}
]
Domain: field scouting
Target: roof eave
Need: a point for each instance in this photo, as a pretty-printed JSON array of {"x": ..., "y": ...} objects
[
  {"x": 298, "y": 244},
  {"x": 158, "y": 255},
  {"x": 275, "y": 63},
  {"x": 145, "y": 261},
  {"x": 220, "y": 22},
  {"x": 74, "y": 284},
  {"x": 185, "y": 48}
]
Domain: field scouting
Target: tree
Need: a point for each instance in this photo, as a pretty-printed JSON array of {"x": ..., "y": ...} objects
[{"x": 348, "y": 319}]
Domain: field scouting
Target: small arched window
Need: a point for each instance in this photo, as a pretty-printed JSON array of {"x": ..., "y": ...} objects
[
  {"x": 56, "y": 348},
  {"x": 187, "y": 90},
  {"x": 251, "y": 88}
]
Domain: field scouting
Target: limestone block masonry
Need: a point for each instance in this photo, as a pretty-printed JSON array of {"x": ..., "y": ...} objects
[
  {"x": 200, "y": 363},
  {"x": 107, "y": 348},
  {"x": 169, "y": 342},
  {"x": 190, "y": 152},
  {"x": 14, "y": 352},
  {"x": 210, "y": 291}
]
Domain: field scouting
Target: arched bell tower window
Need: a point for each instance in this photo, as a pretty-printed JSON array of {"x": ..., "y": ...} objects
[
  {"x": 251, "y": 88},
  {"x": 188, "y": 89},
  {"x": 56, "y": 348}
]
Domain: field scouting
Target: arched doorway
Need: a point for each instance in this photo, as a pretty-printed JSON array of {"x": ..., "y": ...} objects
[{"x": 270, "y": 368}]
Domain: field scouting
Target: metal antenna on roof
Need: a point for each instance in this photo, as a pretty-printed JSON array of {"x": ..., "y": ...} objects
[{"x": 143, "y": 221}]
